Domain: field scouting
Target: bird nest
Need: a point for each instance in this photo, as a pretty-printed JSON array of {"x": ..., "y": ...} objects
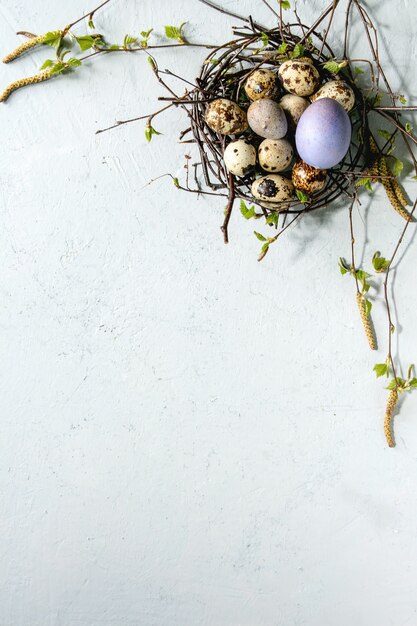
[{"x": 224, "y": 74}]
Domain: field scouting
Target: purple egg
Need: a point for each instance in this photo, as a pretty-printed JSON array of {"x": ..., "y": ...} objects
[{"x": 323, "y": 134}]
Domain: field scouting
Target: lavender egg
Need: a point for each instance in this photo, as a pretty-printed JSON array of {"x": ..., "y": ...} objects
[{"x": 323, "y": 134}]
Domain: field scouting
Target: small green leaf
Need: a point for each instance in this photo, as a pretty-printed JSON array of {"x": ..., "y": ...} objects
[
  {"x": 129, "y": 40},
  {"x": 265, "y": 41},
  {"x": 175, "y": 180},
  {"x": 402, "y": 100},
  {"x": 91, "y": 23},
  {"x": 175, "y": 32},
  {"x": 73, "y": 62},
  {"x": 282, "y": 48},
  {"x": 397, "y": 166},
  {"x": 413, "y": 383},
  {"x": 408, "y": 127},
  {"x": 368, "y": 307},
  {"x": 47, "y": 63},
  {"x": 359, "y": 70},
  {"x": 86, "y": 42},
  {"x": 385, "y": 134},
  {"x": 52, "y": 39},
  {"x": 150, "y": 132},
  {"x": 298, "y": 51},
  {"x": 285, "y": 4},
  {"x": 58, "y": 68},
  {"x": 247, "y": 212},
  {"x": 343, "y": 266},
  {"x": 379, "y": 262},
  {"x": 272, "y": 218},
  {"x": 332, "y": 66},
  {"x": 259, "y": 236},
  {"x": 303, "y": 197},
  {"x": 381, "y": 369},
  {"x": 391, "y": 385}
]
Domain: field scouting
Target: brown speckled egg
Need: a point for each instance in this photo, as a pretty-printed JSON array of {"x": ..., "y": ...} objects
[
  {"x": 226, "y": 117},
  {"x": 267, "y": 119},
  {"x": 262, "y": 84},
  {"x": 308, "y": 178},
  {"x": 273, "y": 188},
  {"x": 294, "y": 107},
  {"x": 299, "y": 77},
  {"x": 336, "y": 90},
  {"x": 239, "y": 157},
  {"x": 275, "y": 155}
]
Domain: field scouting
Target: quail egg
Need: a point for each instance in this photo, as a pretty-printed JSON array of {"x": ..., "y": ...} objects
[
  {"x": 308, "y": 178},
  {"x": 337, "y": 90},
  {"x": 299, "y": 77},
  {"x": 294, "y": 107},
  {"x": 323, "y": 134},
  {"x": 273, "y": 188},
  {"x": 267, "y": 119},
  {"x": 239, "y": 157},
  {"x": 275, "y": 155},
  {"x": 262, "y": 84},
  {"x": 226, "y": 117}
]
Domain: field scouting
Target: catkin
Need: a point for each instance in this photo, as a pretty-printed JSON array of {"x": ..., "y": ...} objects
[
  {"x": 399, "y": 192},
  {"x": 366, "y": 321},
  {"x": 389, "y": 415},
  {"x": 30, "y": 43},
  {"x": 23, "y": 82},
  {"x": 389, "y": 189}
]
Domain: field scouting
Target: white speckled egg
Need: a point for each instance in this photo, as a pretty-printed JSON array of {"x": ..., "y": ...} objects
[
  {"x": 273, "y": 188},
  {"x": 267, "y": 119},
  {"x": 294, "y": 107},
  {"x": 262, "y": 84},
  {"x": 275, "y": 155},
  {"x": 239, "y": 157},
  {"x": 299, "y": 77},
  {"x": 336, "y": 90},
  {"x": 226, "y": 117}
]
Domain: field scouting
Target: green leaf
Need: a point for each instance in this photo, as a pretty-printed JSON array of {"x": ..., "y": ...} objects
[
  {"x": 397, "y": 166},
  {"x": 47, "y": 63},
  {"x": 86, "y": 42},
  {"x": 379, "y": 262},
  {"x": 359, "y": 70},
  {"x": 385, "y": 134},
  {"x": 282, "y": 48},
  {"x": 285, "y": 4},
  {"x": 175, "y": 32},
  {"x": 129, "y": 40},
  {"x": 150, "y": 132},
  {"x": 73, "y": 62},
  {"x": 298, "y": 51},
  {"x": 52, "y": 39},
  {"x": 364, "y": 182},
  {"x": 381, "y": 369},
  {"x": 247, "y": 212},
  {"x": 408, "y": 127},
  {"x": 303, "y": 197},
  {"x": 58, "y": 68},
  {"x": 413, "y": 383},
  {"x": 272, "y": 218},
  {"x": 343, "y": 266},
  {"x": 265, "y": 41},
  {"x": 332, "y": 66},
  {"x": 175, "y": 179},
  {"x": 259, "y": 236},
  {"x": 391, "y": 385},
  {"x": 402, "y": 100},
  {"x": 368, "y": 307}
]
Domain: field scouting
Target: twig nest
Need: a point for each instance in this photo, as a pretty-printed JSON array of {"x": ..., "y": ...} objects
[
  {"x": 294, "y": 107},
  {"x": 226, "y": 117},
  {"x": 323, "y": 134},
  {"x": 267, "y": 119},
  {"x": 240, "y": 157},
  {"x": 275, "y": 155},
  {"x": 299, "y": 77},
  {"x": 337, "y": 90},
  {"x": 308, "y": 178},
  {"x": 262, "y": 84},
  {"x": 273, "y": 188}
]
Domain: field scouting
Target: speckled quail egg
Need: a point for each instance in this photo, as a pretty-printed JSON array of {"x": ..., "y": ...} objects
[
  {"x": 336, "y": 90},
  {"x": 226, "y": 117},
  {"x": 273, "y": 188},
  {"x": 299, "y": 76},
  {"x": 267, "y": 119},
  {"x": 239, "y": 157},
  {"x": 308, "y": 178},
  {"x": 294, "y": 107},
  {"x": 275, "y": 155},
  {"x": 262, "y": 84}
]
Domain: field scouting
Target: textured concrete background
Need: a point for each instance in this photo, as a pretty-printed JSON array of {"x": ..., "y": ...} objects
[{"x": 190, "y": 438}]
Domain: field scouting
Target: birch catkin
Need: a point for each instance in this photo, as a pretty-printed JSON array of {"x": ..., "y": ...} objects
[
  {"x": 31, "y": 43},
  {"x": 389, "y": 415},
  {"x": 366, "y": 322},
  {"x": 390, "y": 189},
  {"x": 24, "y": 82}
]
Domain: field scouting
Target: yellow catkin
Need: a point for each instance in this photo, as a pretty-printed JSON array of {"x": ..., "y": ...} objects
[
  {"x": 24, "y": 82},
  {"x": 389, "y": 189},
  {"x": 30, "y": 43},
  {"x": 373, "y": 146},
  {"x": 366, "y": 321},
  {"x": 389, "y": 415},
  {"x": 399, "y": 192}
]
